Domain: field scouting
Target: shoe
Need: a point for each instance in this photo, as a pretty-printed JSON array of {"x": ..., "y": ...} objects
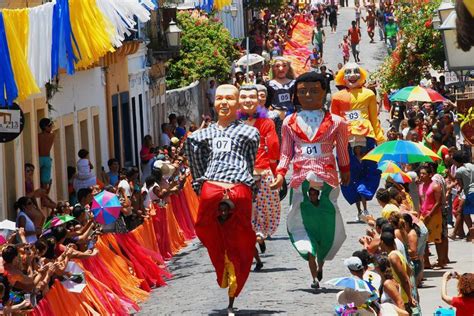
[
  {"x": 258, "y": 267},
  {"x": 315, "y": 284},
  {"x": 358, "y": 218}
]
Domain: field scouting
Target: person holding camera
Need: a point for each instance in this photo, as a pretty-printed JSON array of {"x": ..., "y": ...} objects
[
  {"x": 464, "y": 302},
  {"x": 222, "y": 158}
]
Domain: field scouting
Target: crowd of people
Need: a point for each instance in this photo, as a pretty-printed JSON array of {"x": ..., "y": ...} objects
[
  {"x": 51, "y": 235},
  {"x": 238, "y": 159}
]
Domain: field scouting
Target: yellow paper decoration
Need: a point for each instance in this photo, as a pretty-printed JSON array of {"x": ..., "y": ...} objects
[
  {"x": 220, "y": 4},
  {"x": 470, "y": 6},
  {"x": 16, "y": 29},
  {"x": 92, "y": 32}
]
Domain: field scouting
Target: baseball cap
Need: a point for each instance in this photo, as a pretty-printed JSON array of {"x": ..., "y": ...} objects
[{"x": 353, "y": 264}]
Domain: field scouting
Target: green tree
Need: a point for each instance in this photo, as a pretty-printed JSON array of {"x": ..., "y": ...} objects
[
  {"x": 420, "y": 47},
  {"x": 207, "y": 50},
  {"x": 273, "y": 5}
]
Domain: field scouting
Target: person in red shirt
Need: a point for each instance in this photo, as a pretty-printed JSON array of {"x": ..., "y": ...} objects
[
  {"x": 464, "y": 303},
  {"x": 266, "y": 206},
  {"x": 355, "y": 35}
]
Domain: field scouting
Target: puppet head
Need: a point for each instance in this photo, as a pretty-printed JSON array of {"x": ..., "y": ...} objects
[
  {"x": 281, "y": 68},
  {"x": 310, "y": 91},
  {"x": 352, "y": 76},
  {"x": 248, "y": 99},
  {"x": 227, "y": 102},
  {"x": 262, "y": 94}
]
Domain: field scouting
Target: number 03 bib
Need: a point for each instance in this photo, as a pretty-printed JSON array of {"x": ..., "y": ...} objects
[
  {"x": 311, "y": 150},
  {"x": 353, "y": 115}
]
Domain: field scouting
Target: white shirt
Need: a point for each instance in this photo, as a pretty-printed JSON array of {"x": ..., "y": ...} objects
[
  {"x": 126, "y": 187},
  {"x": 309, "y": 121}
]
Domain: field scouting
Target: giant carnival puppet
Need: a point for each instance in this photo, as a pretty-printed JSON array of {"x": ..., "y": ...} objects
[
  {"x": 280, "y": 91},
  {"x": 266, "y": 205},
  {"x": 222, "y": 158},
  {"x": 309, "y": 137},
  {"x": 358, "y": 105}
]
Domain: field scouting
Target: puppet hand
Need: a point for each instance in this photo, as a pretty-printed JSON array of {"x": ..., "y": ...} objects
[
  {"x": 345, "y": 178},
  {"x": 277, "y": 183}
]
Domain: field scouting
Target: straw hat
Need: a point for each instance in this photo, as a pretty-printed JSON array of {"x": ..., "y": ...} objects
[
  {"x": 164, "y": 167},
  {"x": 348, "y": 296}
]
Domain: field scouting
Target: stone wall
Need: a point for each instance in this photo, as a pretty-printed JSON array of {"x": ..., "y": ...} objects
[{"x": 189, "y": 101}]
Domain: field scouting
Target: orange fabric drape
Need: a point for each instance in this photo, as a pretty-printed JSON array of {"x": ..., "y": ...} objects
[
  {"x": 191, "y": 198},
  {"x": 117, "y": 282},
  {"x": 177, "y": 239}
]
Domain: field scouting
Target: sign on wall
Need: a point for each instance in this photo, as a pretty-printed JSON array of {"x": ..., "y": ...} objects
[{"x": 12, "y": 122}]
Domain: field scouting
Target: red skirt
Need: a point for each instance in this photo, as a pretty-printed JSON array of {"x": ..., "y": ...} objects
[{"x": 231, "y": 245}]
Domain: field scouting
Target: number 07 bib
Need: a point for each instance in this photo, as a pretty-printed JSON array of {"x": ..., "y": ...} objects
[{"x": 221, "y": 144}]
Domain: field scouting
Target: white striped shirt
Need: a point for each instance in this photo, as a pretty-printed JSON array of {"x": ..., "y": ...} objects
[{"x": 305, "y": 153}]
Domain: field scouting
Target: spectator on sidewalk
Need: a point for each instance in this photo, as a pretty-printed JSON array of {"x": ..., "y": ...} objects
[
  {"x": 38, "y": 193},
  {"x": 391, "y": 32},
  {"x": 464, "y": 302},
  {"x": 45, "y": 143},
  {"x": 113, "y": 174},
  {"x": 465, "y": 177},
  {"x": 85, "y": 177}
]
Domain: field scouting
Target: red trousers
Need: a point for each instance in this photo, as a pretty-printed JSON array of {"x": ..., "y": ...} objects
[{"x": 231, "y": 245}]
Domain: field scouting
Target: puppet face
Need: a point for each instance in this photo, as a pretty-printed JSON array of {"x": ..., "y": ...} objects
[
  {"x": 227, "y": 102},
  {"x": 248, "y": 100},
  {"x": 310, "y": 95},
  {"x": 352, "y": 76},
  {"x": 280, "y": 69},
  {"x": 262, "y": 98}
]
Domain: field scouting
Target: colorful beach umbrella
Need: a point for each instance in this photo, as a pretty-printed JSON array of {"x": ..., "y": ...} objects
[
  {"x": 388, "y": 166},
  {"x": 418, "y": 94},
  {"x": 58, "y": 220},
  {"x": 399, "y": 177},
  {"x": 106, "y": 207},
  {"x": 352, "y": 283},
  {"x": 402, "y": 151}
]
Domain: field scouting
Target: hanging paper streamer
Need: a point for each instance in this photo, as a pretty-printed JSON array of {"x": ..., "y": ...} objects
[
  {"x": 220, "y": 4},
  {"x": 16, "y": 21},
  {"x": 121, "y": 14},
  {"x": 93, "y": 42},
  {"x": 207, "y": 5},
  {"x": 36, "y": 42},
  {"x": 7, "y": 81},
  {"x": 41, "y": 42},
  {"x": 62, "y": 52}
]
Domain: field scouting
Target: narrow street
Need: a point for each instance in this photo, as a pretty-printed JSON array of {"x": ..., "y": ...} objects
[{"x": 283, "y": 286}]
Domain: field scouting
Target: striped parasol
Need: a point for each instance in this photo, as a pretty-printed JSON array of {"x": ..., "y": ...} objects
[
  {"x": 399, "y": 177},
  {"x": 388, "y": 166},
  {"x": 402, "y": 151},
  {"x": 416, "y": 94}
]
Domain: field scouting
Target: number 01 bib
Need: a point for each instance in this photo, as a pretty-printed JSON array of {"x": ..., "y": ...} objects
[{"x": 311, "y": 150}]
